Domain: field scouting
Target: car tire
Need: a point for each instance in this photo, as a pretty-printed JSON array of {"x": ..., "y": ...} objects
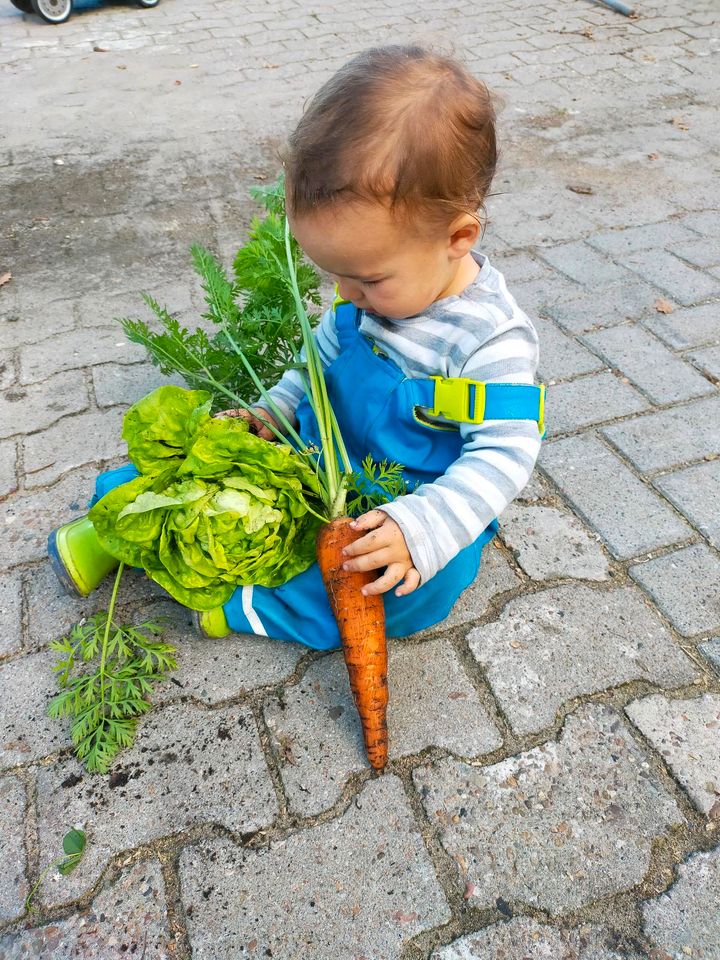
[
  {"x": 53, "y": 11},
  {"x": 24, "y": 5}
]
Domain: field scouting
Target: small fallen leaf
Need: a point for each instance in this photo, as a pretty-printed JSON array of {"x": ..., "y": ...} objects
[
  {"x": 714, "y": 811},
  {"x": 663, "y": 306},
  {"x": 583, "y": 188},
  {"x": 270, "y": 66},
  {"x": 121, "y": 66},
  {"x": 99, "y": 49},
  {"x": 5, "y": 278},
  {"x": 178, "y": 83},
  {"x": 653, "y": 156},
  {"x": 401, "y": 917},
  {"x": 649, "y": 58},
  {"x": 680, "y": 123}
]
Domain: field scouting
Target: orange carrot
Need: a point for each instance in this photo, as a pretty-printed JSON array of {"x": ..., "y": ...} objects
[{"x": 361, "y": 622}]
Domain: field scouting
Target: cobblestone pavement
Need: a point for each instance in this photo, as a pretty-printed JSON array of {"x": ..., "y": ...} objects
[{"x": 554, "y": 784}]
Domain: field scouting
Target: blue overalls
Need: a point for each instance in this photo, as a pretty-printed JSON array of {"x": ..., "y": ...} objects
[{"x": 376, "y": 407}]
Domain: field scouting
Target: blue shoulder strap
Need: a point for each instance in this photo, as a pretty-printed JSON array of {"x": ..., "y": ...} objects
[
  {"x": 473, "y": 401},
  {"x": 457, "y": 398},
  {"x": 347, "y": 317}
]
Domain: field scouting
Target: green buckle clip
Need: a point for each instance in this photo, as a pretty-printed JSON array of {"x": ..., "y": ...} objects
[{"x": 457, "y": 398}]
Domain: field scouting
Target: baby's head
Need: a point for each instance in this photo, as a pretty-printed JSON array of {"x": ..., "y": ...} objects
[{"x": 386, "y": 173}]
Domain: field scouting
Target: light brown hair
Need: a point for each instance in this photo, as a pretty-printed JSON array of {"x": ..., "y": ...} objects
[{"x": 401, "y": 125}]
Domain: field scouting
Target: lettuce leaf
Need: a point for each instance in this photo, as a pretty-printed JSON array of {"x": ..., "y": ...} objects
[{"x": 214, "y": 506}]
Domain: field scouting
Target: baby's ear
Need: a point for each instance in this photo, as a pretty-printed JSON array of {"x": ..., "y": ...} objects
[{"x": 463, "y": 234}]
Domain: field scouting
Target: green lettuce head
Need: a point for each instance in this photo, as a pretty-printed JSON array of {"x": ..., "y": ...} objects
[{"x": 214, "y": 506}]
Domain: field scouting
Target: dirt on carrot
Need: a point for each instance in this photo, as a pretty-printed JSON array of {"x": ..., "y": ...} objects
[{"x": 361, "y": 622}]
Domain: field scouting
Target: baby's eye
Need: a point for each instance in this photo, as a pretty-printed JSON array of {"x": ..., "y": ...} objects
[{"x": 370, "y": 283}]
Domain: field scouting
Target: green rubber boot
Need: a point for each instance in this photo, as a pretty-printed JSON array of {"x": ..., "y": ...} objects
[
  {"x": 77, "y": 557},
  {"x": 211, "y": 624}
]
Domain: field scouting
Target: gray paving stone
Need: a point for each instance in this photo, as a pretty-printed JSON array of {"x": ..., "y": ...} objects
[
  {"x": 73, "y": 349},
  {"x": 25, "y": 409},
  {"x": 618, "y": 243},
  {"x": 708, "y": 360},
  {"x": 361, "y": 885},
  {"x": 8, "y": 468},
  {"x": 663, "y": 439},
  {"x": 705, "y": 223},
  {"x": 687, "y": 328},
  {"x": 685, "y": 585},
  {"x": 74, "y": 442},
  {"x": 28, "y": 734},
  {"x": 583, "y": 264},
  {"x": 549, "y": 647},
  {"x": 116, "y": 383},
  {"x": 562, "y": 357},
  {"x": 590, "y": 400},
  {"x": 521, "y": 266},
  {"x": 694, "y": 491},
  {"x": 604, "y": 306},
  {"x": 548, "y": 542},
  {"x": 686, "y": 733},
  {"x": 628, "y": 515},
  {"x": 537, "y": 488},
  {"x": 524, "y": 939},
  {"x": 187, "y": 766},
  {"x": 10, "y": 613},
  {"x": 711, "y": 651},
  {"x": 538, "y": 297},
  {"x": 21, "y": 324},
  {"x": 317, "y": 734},
  {"x": 27, "y": 520},
  {"x": 13, "y": 885},
  {"x": 103, "y": 310},
  {"x": 685, "y": 921},
  {"x": 556, "y": 827},
  {"x": 51, "y": 612},
  {"x": 126, "y": 919},
  {"x": 213, "y": 671},
  {"x": 650, "y": 366},
  {"x": 703, "y": 252},
  {"x": 7, "y": 369},
  {"x": 684, "y": 284},
  {"x": 495, "y": 577}
]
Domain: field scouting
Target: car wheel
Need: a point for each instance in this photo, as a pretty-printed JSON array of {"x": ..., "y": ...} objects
[
  {"x": 24, "y": 5},
  {"x": 53, "y": 11},
  {"x": 148, "y": 3}
]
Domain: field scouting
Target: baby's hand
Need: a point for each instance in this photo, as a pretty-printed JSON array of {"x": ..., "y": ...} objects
[
  {"x": 256, "y": 425},
  {"x": 384, "y": 546}
]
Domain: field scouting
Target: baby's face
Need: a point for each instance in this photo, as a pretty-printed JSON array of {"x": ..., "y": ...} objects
[{"x": 379, "y": 264}]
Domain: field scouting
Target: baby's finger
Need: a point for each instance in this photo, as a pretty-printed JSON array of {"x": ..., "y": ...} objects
[
  {"x": 375, "y": 540},
  {"x": 233, "y": 412},
  {"x": 392, "y": 576},
  {"x": 411, "y": 582},
  {"x": 369, "y": 561},
  {"x": 369, "y": 520}
]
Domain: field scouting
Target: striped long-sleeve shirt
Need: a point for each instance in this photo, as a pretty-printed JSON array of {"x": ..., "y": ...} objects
[{"x": 480, "y": 334}]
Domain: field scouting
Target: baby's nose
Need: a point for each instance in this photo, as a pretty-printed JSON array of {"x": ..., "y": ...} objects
[{"x": 348, "y": 290}]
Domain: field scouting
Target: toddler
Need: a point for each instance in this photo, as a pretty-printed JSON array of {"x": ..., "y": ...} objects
[{"x": 428, "y": 359}]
